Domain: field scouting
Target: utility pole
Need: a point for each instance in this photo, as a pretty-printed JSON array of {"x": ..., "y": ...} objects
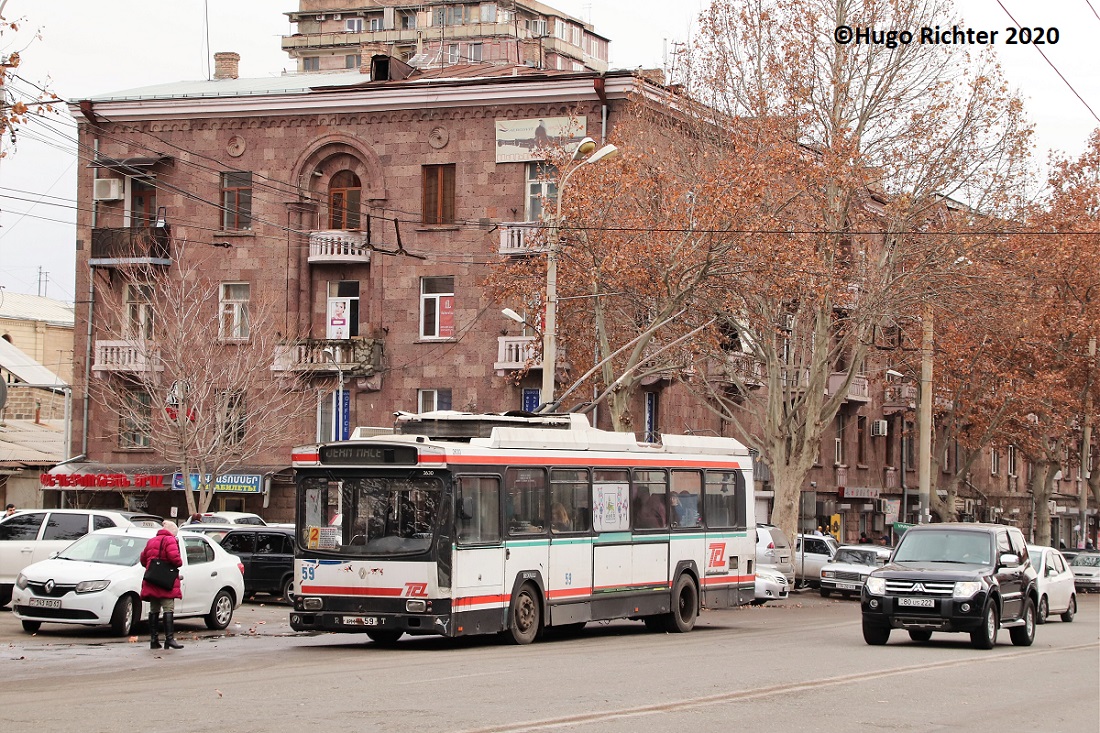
[
  {"x": 1086, "y": 451},
  {"x": 924, "y": 459}
]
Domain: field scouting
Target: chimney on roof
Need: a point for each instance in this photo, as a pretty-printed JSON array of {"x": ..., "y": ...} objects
[{"x": 225, "y": 64}]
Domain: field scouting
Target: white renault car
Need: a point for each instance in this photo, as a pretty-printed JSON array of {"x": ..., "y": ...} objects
[{"x": 97, "y": 581}]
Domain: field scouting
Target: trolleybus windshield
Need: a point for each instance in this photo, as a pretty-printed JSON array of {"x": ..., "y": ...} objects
[{"x": 370, "y": 516}]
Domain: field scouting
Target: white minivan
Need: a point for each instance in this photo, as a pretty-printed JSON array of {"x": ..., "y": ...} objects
[{"x": 35, "y": 534}]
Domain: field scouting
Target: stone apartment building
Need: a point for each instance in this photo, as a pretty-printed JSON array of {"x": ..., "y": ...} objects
[{"x": 376, "y": 197}]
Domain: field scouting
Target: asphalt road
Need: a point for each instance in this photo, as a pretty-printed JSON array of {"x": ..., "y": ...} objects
[{"x": 789, "y": 666}]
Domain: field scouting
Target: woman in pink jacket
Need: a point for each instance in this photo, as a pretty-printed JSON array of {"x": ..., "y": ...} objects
[{"x": 164, "y": 546}]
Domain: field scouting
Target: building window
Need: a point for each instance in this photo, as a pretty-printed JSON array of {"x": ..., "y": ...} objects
[
  {"x": 542, "y": 190},
  {"x": 353, "y": 61},
  {"x": 143, "y": 203},
  {"x": 234, "y": 310},
  {"x": 908, "y": 452},
  {"x": 408, "y": 21},
  {"x": 342, "y": 313},
  {"x": 344, "y": 197},
  {"x": 353, "y": 25},
  {"x": 994, "y": 462},
  {"x": 652, "y": 430},
  {"x": 428, "y": 400},
  {"x": 841, "y": 434},
  {"x": 135, "y": 430},
  {"x": 232, "y": 417},
  {"x": 861, "y": 440},
  {"x": 376, "y": 24},
  {"x": 237, "y": 200},
  {"x": 473, "y": 52},
  {"x": 311, "y": 63},
  {"x": 437, "y": 307},
  {"x": 139, "y": 311},
  {"x": 438, "y": 201},
  {"x": 1013, "y": 461}
]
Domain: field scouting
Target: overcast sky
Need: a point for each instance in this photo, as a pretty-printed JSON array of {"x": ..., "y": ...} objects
[{"x": 86, "y": 47}]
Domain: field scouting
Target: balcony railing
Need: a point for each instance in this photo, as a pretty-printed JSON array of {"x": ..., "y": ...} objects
[
  {"x": 898, "y": 398},
  {"x": 361, "y": 357},
  {"x": 338, "y": 247},
  {"x": 518, "y": 238},
  {"x": 123, "y": 356},
  {"x": 746, "y": 368},
  {"x": 130, "y": 246},
  {"x": 859, "y": 389},
  {"x": 516, "y": 352}
]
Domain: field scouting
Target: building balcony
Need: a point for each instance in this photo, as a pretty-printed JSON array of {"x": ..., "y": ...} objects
[
  {"x": 358, "y": 357},
  {"x": 338, "y": 247},
  {"x": 129, "y": 357},
  {"x": 744, "y": 368},
  {"x": 859, "y": 389},
  {"x": 899, "y": 398},
  {"x": 515, "y": 353},
  {"x": 518, "y": 238},
  {"x": 120, "y": 247}
]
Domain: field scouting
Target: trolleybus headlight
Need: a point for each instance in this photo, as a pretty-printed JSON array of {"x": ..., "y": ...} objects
[
  {"x": 415, "y": 606},
  {"x": 311, "y": 604}
]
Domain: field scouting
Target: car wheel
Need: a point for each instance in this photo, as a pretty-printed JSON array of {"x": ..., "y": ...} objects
[
  {"x": 920, "y": 634},
  {"x": 1068, "y": 615},
  {"x": 875, "y": 635},
  {"x": 125, "y": 617},
  {"x": 221, "y": 611},
  {"x": 384, "y": 637},
  {"x": 1044, "y": 611},
  {"x": 825, "y": 593},
  {"x": 1025, "y": 635},
  {"x": 5, "y": 594},
  {"x": 288, "y": 589},
  {"x": 526, "y": 615},
  {"x": 32, "y": 627},
  {"x": 685, "y": 606},
  {"x": 985, "y": 636}
]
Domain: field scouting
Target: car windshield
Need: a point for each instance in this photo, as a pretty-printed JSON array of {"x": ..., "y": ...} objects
[
  {"x": 1086, "y": 561},
  {"x": 856, "y": 557},
  {"x": 111, "y": 549},
  {"x": 945, "y": 546},
  {"x": 370, "y": 516}
]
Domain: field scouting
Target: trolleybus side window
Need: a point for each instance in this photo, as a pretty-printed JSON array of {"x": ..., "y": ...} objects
[
  {"x": 477, "y": 510},
  {"x": 570, "y": 497},
  {"x": 525, "y": 501},
  {"x": 687, "y": 489},
  {"x": 650, "y": 499},
  {"x": 725, "y": 500},
  {"x": 611, "y": 499}
]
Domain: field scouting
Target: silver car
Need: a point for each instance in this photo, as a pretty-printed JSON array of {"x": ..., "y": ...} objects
[
  {"x": 848, "y": 570},
  {"x": 773, "y": 550}
]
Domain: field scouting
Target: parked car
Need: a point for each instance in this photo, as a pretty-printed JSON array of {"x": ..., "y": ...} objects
[
  {"x": 811, "y": 552},
  {"x": 231, "y": 518},
  {"x": 97, "y": 581},
  {"x": 1056, "y": 591},
  {"x": 773, "y": 550},
  {"x": 849, "y": 568},
  {"x": 771, "y": 585},
  {"x": 267, "y": 554},
  {"x": 35, "y": 534},
  {"x": 1086, "y": 571},
  {"x": 955, "y": 577}
]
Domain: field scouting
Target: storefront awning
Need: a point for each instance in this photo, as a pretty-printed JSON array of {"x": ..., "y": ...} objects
[
  {"x": 91, "y": 476},
  {"x": 129, "y": 165}
]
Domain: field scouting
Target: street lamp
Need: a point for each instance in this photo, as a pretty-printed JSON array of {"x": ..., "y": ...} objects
[
  {"x": 338, "y": 432},
  {"x": 582, "y": 156}
]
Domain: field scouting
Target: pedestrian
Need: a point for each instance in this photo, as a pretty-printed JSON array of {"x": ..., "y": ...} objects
[
  {"x": 9, "y": 510},
  {"x": 863, "y": 538},
  {"x": 819, "y": 532},
  {"x": 196, "y": 518},
  {"x": 162, "y": 546}
]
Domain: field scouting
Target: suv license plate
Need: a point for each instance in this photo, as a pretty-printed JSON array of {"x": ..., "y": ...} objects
[
  {"x": 917, "y": 602},
  {"x": 45, "y": 603},
  {"x": 360, "y": 621}
]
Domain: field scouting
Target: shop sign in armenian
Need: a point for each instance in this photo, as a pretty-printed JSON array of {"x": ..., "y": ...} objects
[
  {"x": 859, "y": 492},
  {"x": 230, "y": 483},
  {"x": 101, "y": 481}
]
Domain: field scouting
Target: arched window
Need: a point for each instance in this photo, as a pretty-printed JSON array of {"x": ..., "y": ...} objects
[{"x": 343, "y": 201}]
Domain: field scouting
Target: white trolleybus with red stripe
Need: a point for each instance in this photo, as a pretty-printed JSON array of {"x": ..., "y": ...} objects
[{"x": 455, "y": 524}]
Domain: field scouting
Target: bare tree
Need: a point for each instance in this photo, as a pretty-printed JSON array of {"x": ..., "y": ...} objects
[{"x": 199, "y": 389}]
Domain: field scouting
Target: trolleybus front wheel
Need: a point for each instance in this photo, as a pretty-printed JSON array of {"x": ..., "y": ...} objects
[
  {"x": 526, "y": 615},
  {"x": 385, "y": 637}
]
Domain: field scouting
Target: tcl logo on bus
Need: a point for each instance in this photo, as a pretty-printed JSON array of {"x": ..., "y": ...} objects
[
  {"x": 416, "y": 590},
  {"x": 717, "y": 554}
]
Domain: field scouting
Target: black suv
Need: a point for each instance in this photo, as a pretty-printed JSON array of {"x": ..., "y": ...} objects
[
  {"x": 267, "y": 554},
  {"x": 974, "y": 578}
]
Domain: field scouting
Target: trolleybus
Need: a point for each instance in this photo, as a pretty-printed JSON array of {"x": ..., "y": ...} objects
[{"x": 455, "y": 524}]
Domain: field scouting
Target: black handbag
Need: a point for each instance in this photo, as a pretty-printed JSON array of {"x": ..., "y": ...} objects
[{"x": 162, "y": 574}]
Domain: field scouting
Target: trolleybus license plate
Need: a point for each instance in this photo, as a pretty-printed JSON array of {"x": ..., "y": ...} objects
[
  {"x": 360, "y": 621},
  {"x": 917, "y": 602}
]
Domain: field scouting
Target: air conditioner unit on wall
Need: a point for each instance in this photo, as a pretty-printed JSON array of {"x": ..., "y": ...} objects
[
  {"x": 337, "y": 16},
  {"x": 879, "y": 428},
  {"x": 107, "y": 189}
]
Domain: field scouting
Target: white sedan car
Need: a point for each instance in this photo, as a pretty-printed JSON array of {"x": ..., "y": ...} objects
[
  {"x": 848, "y": 570},
  {"x": 97, "y": 581},
  {"x": 771, "y": 585},
  {"x": 1056, "y": 591}
]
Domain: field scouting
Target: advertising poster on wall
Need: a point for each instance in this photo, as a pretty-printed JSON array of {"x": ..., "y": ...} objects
[
  {"x": 446, "y": 316},
  {"x": 519, "y": 141},
  {"x": 339, "y": 324}
]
